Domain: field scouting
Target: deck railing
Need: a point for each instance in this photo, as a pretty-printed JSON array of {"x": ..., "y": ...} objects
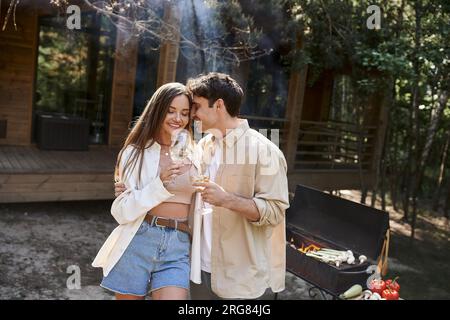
[
  {"x": 326, "y": 145},
  {"x": 334, "y": 145},
  {"x": 269, "y": 123}
]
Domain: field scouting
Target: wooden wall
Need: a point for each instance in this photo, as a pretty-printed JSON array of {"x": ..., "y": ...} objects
[
  {"x": 17, "y": 73},
  {"x": 55, "y": 187}
]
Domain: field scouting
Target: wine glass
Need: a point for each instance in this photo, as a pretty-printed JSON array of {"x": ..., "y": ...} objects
[
  {"x": 180, "y": 147},
  {"x": 201, "y": 176}
]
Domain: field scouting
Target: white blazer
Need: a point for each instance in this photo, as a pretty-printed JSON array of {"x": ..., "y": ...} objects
[{"x": 130, "y": 208}]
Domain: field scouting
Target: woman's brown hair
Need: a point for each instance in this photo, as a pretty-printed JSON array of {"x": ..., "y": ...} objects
[{"x": 148, "y": 126}]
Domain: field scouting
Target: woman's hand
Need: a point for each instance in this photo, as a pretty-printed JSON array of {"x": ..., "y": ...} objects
[
  {"x": 119, "y": 187},
  {"x": 170, "y": 173}
]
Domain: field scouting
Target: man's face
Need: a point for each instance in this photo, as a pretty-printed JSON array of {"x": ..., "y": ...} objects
[{"x": 202, "y": 113}]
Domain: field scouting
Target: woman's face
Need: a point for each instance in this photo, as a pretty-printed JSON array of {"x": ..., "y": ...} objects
[{"x": 177, "y": 116}]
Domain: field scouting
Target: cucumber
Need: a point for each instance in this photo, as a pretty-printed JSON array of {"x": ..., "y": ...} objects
[{"x": 354, "y": 291}]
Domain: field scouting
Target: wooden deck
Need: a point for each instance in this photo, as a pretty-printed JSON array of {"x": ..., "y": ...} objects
[{"x": 28, "y": 174}]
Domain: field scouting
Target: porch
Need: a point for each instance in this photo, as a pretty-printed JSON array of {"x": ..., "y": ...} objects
[{"x": 28, "y": 174}]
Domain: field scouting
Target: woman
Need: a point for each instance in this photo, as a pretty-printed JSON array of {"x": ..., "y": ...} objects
[{"x": 149, "y": 250}]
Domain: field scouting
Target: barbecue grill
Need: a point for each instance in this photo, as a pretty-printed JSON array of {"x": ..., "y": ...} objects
[{"x": 321, "y": 219}]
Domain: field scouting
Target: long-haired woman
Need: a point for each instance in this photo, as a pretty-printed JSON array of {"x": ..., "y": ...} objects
[{"x": 149, "y": 251}]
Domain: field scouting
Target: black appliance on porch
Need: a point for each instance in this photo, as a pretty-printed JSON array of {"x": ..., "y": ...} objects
[
  {"x": 327, "y": 221},
  {"x": 55, "y": 131}
]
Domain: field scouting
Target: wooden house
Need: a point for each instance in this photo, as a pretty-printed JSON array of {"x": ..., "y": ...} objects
[{"x": 106, "y": 77}]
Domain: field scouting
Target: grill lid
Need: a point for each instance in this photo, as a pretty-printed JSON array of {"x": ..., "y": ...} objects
[{"x": 348, "y": 224}]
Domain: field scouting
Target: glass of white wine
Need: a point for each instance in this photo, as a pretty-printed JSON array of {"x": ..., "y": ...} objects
[
  {"x": 180, "y": 147},
  {"x": 202, "y": 176}
]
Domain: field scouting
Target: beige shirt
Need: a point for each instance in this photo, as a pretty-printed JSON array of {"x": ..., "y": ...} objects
[{"x": 246, "y": 257}]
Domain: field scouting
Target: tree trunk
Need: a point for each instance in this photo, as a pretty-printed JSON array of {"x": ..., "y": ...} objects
[
  {"x": 411, "y": 168},
  {"x": 412, "y": 147},
  {"x": 442, "y": 102},
  {"x": 363, "y": 195},
  {"x": 390, "y": 93},
  {"x": 374, "y": 196},
  {"x": 393, "y": 170},
  {"x": 383, "y": 186},
  {"x": 437, "y": 195},
  {"x": 447, "y": 203}
]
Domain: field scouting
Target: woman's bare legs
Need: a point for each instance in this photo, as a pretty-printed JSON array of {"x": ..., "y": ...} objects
[
  {"x": 170, "y": 293},
  {"x": 128, "y": 297}
]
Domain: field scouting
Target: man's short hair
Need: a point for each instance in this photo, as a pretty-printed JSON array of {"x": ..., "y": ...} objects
[{"x": 213, "y": 86}]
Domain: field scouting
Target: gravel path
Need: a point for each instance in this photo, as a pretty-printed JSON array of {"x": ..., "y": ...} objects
[{"x": 41, "y": 243}]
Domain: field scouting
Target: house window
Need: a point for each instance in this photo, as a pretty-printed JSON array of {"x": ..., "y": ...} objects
[
  {"x": 74, "y": 70},
  {"x": 149, "y": 48},
  {"x": 146, "y": 75}
]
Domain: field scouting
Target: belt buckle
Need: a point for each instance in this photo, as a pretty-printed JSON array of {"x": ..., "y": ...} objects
[
  {"x": 161, "y": 226},
  {"x": 156, "y": 223}
]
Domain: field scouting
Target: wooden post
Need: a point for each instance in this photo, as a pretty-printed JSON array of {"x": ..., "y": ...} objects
[
  {"x": 18, "y": 50},
  {"x": 35, "y": 54},
  {"x": 122, "y": 95},
  {"x": 168, "y": 54},
  {"x": 296, "y": 95}
]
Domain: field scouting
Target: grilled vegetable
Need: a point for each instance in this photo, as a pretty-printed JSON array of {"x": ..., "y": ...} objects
[
  {"x": 390, "y": 294},
  {"x": 353, "y": 292},
  {"x": 393, "y": 284},
  {"x": 367, "y": 294},
  {"x": 362, "y": 259},
  {"x": 375, "y": 296},
  {"x": 377, "y": 285}
]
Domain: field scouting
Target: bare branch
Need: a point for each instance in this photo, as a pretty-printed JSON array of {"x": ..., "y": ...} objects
[
  {"x": 8, "y": 14},
  {"x": 127, "y": 17}
]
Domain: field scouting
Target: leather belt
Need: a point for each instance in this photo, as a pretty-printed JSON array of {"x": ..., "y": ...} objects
[{"x": 168, "y": 223}]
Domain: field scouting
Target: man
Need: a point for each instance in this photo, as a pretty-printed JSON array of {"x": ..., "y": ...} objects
[{"x": 238, "y": 246}]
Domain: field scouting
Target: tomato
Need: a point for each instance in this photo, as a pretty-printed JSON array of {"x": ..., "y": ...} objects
[
  {"x": 390, "y": 294},
  {"x": 393, "y": 284},
  {"x": 377, "y": 285}
]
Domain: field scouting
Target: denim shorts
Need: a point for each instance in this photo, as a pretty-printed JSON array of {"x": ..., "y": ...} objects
[{"x": 156, "y": 257}]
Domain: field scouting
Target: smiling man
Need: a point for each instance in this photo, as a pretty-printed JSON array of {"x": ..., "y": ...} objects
[{"x": 238, "y": 249}]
